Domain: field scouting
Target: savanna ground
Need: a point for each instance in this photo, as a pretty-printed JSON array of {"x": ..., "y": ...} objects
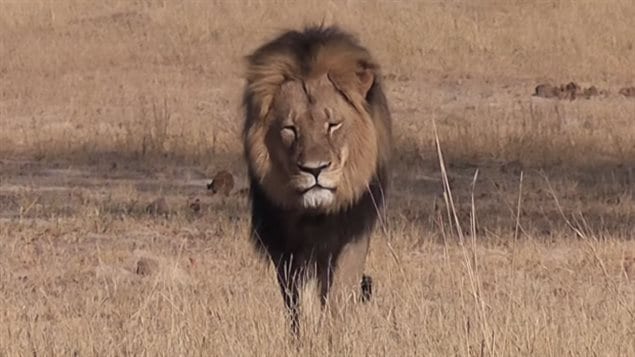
[{"x": 105, "y": 108}]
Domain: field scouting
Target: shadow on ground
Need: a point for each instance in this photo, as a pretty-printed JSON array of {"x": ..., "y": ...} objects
[{"x": 596, "y": 199}]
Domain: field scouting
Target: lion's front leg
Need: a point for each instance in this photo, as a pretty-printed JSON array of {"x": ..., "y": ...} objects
[{"x": 347, "y": 272}]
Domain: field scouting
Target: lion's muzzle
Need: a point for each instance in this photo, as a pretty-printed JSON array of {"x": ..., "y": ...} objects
[
  {"x": 313, "y": 184},
  {"x": 314, "y": 167}
]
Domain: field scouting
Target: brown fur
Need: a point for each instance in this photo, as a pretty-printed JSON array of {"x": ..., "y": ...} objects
[
  {"x": 333, "y": 69},
  {"x": 318, "y": 143}
]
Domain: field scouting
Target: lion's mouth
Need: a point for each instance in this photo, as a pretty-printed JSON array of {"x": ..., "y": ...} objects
[
  {"x": 317, "y": 187},
  {"x": 317, "y": 196}
]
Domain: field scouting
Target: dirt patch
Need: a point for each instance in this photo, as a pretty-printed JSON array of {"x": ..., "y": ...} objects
[
  {"x": 569, "y": 91},
  {"x": 628, "y": 92}
]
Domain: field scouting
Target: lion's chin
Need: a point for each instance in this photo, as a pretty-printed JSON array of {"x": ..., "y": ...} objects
[{"x": 318, "y": 198}]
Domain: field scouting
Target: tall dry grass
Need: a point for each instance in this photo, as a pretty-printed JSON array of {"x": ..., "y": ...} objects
[
  {"x": 84, "y": 78},
  {"x": 71, "y": 282}
]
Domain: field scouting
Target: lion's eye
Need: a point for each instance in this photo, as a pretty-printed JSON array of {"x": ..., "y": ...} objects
[
  {"x": 288, "y": 133},
  {"x": 332, "y": 127}
]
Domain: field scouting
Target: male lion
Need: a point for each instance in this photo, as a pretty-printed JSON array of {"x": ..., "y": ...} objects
[{"x": 317, "y": 140}]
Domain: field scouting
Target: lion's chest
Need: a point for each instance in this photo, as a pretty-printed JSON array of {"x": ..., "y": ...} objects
[
  {"x": 314, "y": 232},
  {"x": 288, "y": 232},
  {"x": 328, "y": 233}
]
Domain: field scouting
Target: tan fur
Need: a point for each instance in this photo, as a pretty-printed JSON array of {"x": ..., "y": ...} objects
[
  {"x": 348, "y": 274},
  {"x": 339, "y": 76}
]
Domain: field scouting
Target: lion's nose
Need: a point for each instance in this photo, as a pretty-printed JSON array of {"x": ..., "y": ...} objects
[{"x": 314, "y": 167}]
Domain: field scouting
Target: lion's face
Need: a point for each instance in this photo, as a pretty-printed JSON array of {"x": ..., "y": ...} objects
[{"x": 319, "y": 151}]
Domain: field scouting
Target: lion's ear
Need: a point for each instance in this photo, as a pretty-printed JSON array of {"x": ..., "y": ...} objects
[
  {"x": 357, "y": 82},
  {"x": 366, "y": 78}
]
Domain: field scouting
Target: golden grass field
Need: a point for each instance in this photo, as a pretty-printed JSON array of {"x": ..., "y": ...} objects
[{"x": 108, "y": 106}]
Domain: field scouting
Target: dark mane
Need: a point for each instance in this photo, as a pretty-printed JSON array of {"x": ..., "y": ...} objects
[
  {"x": 297, "y": 239},
  {"x": 293, "y": 54},
  {"x": 300, "y": 54},
  {"x": 302, "y": 46}
]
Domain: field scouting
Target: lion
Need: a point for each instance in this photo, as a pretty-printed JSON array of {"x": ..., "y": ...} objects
[{"x": 317, "y": 141}]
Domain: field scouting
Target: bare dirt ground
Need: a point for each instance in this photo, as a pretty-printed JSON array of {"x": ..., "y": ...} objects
[{"x": 114, "y": 118}]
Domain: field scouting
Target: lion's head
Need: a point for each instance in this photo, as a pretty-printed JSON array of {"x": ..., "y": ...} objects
[{"x": 314, "y": 135}]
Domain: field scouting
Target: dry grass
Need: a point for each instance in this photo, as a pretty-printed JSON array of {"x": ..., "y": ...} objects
[
  {"x": 107, "y": 107},
  {"x": 81, "y": 78},
  {"x": 85, "y": 269}
]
